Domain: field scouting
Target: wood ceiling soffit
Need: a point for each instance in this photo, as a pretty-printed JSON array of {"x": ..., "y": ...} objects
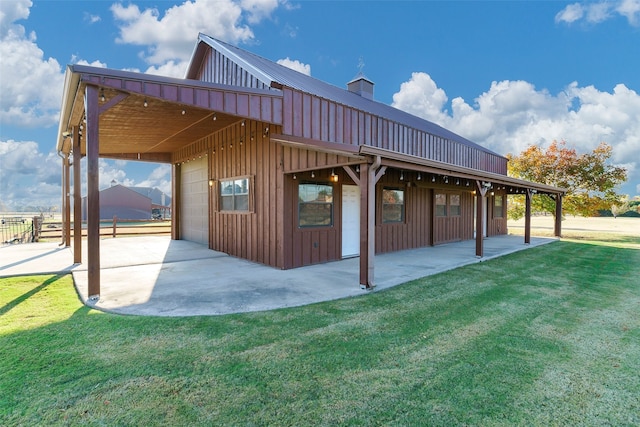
[{"x": 191, "y": 126}]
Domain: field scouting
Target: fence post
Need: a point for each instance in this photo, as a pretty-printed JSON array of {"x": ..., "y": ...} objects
[
  {"x": 115, "y": 221},
  {"x": 35, "y": 229}
]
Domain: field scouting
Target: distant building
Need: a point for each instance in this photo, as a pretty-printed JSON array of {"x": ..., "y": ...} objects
[{"x": 131, "y": 203}]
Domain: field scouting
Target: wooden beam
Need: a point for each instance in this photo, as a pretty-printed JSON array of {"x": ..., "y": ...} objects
[
  {"x": 67, "y": 202},
  {"x": 481, "y": 192},
  {"x": 93, "y": 191},
  {"x": 369, "y": 175},
  {"x": 527, "y": 217},
  {"x": 364, "y": 225},
  {"x": 176, "y": 179},
  {"x": 352, "y": 174},
  {"x": 557, "y": 229},
  {"x": 77, "y": 197},
  {"x": 63, "y": 200},
  {"x": 112, "y": 102},
  {"x": 140, "y": 157}
]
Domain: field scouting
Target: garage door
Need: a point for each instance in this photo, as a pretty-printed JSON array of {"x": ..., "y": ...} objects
[{"x": 194, "y": 212}]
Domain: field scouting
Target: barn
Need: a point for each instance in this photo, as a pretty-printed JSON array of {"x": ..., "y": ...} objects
[{"x": 283, "y": 169}]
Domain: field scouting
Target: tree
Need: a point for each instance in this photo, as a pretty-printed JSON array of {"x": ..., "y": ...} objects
[
  {"x": 589, "y": 179},
  {"x": 619, "y": 209}
]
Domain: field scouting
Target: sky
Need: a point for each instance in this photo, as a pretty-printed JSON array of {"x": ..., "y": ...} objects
[{"x": 504, "y": 74}]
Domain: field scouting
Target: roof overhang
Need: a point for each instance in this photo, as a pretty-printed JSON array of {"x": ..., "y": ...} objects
[
  {"x": 408, "y": 162},
  {"x": 147, "y": 117}
]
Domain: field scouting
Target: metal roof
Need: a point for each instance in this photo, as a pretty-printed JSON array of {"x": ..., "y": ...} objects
[{"x": 273, "y": 72}]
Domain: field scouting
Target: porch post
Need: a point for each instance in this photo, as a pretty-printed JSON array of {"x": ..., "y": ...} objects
[
  {"x": 67, "y": 202},
  {"x": 77, "y": 198},
  {"x": 481, "y": 191},
  {"x": 366, "y": 266},
  {"x": 527, "y": 218},
  {"x": 557, "y": 229},
  {"x": 176, "y": 177},
  {"x": 63, "y": 199},
  {"x": 93, "y": 192}
]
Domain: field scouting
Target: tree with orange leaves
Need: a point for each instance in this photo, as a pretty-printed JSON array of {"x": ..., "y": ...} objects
[{"x": 590, "y": 180}]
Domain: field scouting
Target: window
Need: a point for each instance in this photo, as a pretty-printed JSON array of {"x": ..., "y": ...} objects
[
  {"x": 454, "y": 205},
  {"x": 315, "y": 205},
  {"x": 448, "y": 205},
  {"x": 392, "y": 205},
  {"x": 441, "y": 205},
  {"x": 234, "y": 194},
  {"x": 498, "y": 209}
]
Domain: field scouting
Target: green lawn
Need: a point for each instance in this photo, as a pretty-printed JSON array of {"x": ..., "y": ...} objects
[{"x": 547, "y": 336}]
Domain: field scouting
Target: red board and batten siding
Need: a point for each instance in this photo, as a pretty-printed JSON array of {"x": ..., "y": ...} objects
[
  {"x": 496, "y": 225},
  {"x": 415, "y": 230},
  {"x": 308, "y": 116},
  {"x": 312, "y": 245},
  {"x": 455, "y": 228},
  {"x": 255, "y": 235},
  {"x": 217, "y": 68}
]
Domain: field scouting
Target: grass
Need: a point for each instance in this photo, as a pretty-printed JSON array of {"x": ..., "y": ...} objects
[{"x": 547, "y": 336}]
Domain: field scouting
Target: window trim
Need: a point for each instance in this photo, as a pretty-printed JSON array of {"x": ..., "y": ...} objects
[
  {"x": 331, "y": 204},
  {"x": 448, "y": 211},
  {"x": 249, "y": 194},
  {"x": 446, "y": 205},
  {"x": 403, "y": 205},
  {"x": 459, "y": 205},
  {"x": 495, "y": 206}
]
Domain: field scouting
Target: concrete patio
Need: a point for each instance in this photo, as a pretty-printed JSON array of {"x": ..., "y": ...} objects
[{"x": 163, "y": 277}]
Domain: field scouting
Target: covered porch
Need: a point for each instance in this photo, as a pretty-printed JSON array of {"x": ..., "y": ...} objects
[{"x": 163, "y": 277}]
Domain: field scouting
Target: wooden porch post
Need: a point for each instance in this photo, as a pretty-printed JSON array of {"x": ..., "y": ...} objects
[
  {"x": 366, "y": 264},
  {"x": 369, "y": 176},
  {"x": 63, "y": 199},
  {"x": 93, "y": 191},
  {"x": 527, "y": 218},
  {"x": 557, "y": 229},
  {"x": 176, "y": 179},
  {"x": 77, "y": 198},
  {"x": 481, "y": 191},
  {"x": 67, "y": 202}
]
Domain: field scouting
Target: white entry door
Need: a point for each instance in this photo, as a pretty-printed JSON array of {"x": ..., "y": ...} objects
[{"x": 350, "y": 221}]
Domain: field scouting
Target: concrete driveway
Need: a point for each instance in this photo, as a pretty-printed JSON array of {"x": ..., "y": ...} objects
[{"x": 163, "y": 277}]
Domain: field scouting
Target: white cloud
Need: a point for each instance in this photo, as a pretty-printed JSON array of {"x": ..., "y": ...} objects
[
  {"x": 258, "y": 9},
  {"x": 514, "y": 114},
  {"x": 171, "y": 35},
  {"x": 96, "y": 63},
  {"x": 422, "y": 97},
  {"x": 600, "y": 11},
  {"x": 28, "y": 176},
  {"x": 30, "y": 84},
  {"x": 571, "y": 13},
  {"x": 294, "y": 64},
  {"x": 630, "y": 9},
  {"x": 91, "y": 19},
  {"x": 11, "y": 11},
  {"x": 159, "y": 178},
  {"x": 169, "y": 69}
]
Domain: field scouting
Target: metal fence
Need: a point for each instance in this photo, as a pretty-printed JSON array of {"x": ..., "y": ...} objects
[{"x": 19, "y": 229}]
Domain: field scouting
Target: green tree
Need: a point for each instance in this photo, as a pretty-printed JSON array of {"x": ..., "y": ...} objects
[{"x": 589, "y": 178}]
